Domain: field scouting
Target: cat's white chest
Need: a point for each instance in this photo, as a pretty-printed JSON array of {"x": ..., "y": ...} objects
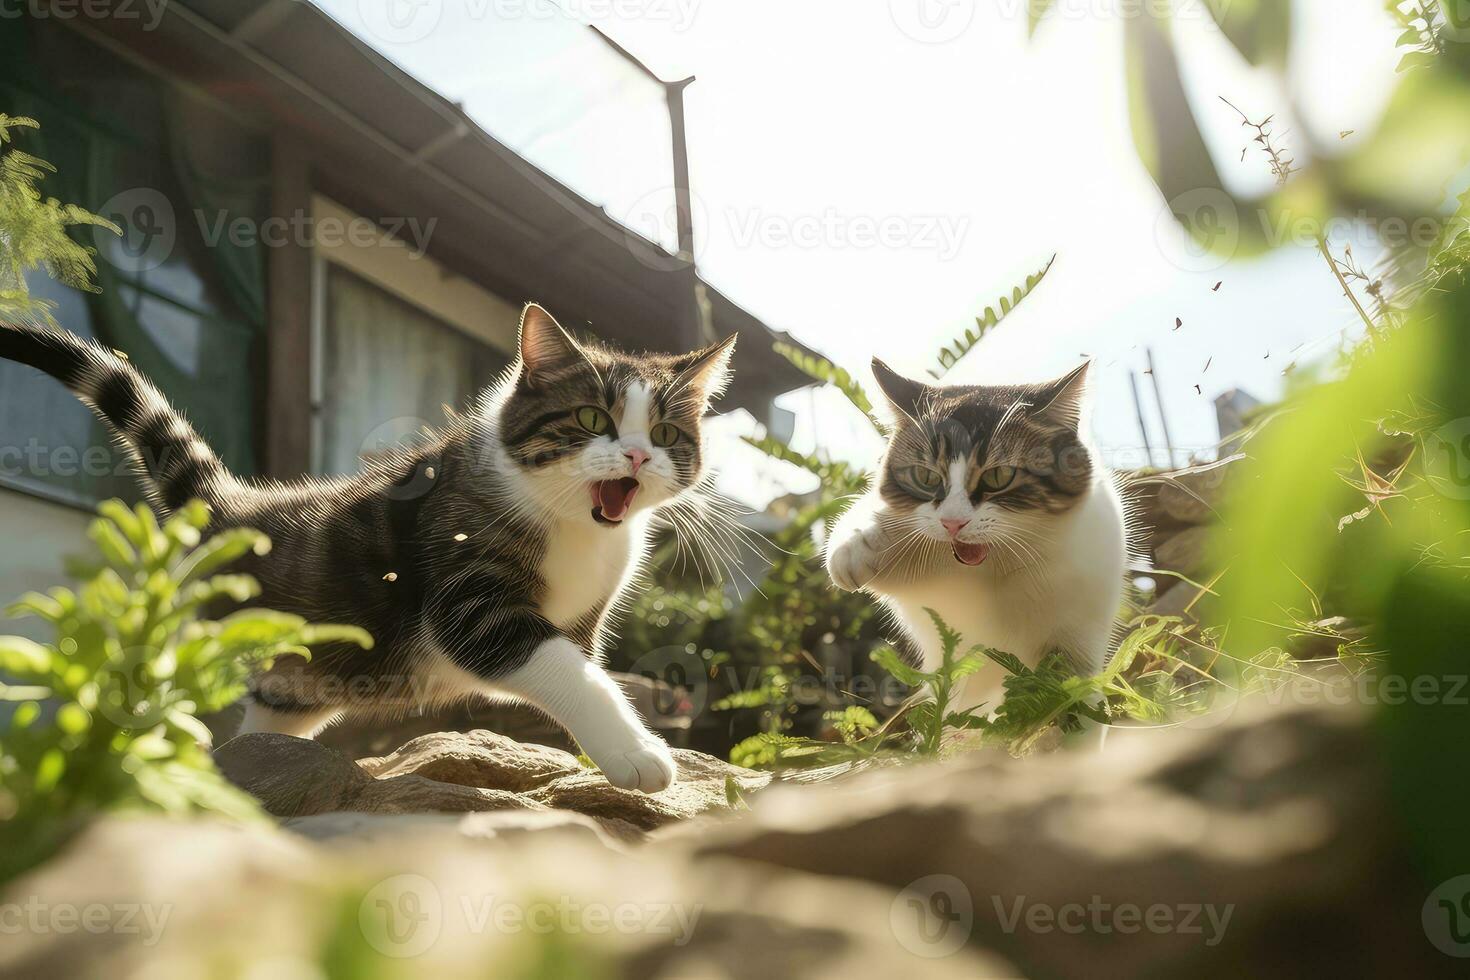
[{"x": 583, "y": 567}]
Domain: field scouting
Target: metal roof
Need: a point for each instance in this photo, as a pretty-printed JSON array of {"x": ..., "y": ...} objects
[{"x": 382, "y": 142}]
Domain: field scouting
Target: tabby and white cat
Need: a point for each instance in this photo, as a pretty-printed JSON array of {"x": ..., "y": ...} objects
[
  {"x": 483, "y": 562},
  {"x": 992, "y": 509}
]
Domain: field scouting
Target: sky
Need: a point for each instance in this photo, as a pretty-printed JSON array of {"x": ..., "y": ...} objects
[{"x": 869, "y": 176}]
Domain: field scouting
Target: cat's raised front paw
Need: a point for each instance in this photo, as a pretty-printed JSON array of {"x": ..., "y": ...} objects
[
  {"x": 858, "y": 560},
  {"x": 649, "y": 766}
]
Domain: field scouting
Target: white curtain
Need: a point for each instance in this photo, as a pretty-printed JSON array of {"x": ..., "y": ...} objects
[{"x": 388, "y": 370}]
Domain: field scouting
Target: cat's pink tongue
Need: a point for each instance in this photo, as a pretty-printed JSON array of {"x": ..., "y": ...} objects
[
  {"x": 613, "y": 497},
  {"x": 971, "y": 553}
]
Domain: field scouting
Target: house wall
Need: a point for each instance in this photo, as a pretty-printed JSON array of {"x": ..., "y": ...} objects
[{"x": 38, "y": 535}]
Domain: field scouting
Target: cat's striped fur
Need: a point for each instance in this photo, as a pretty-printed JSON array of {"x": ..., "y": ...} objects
[{"x": 482, "y": 561}]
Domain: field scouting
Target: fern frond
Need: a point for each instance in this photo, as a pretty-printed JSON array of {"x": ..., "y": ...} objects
[
  {"x": 823, "y": 370},
  {"x": 950, "y": 356}
]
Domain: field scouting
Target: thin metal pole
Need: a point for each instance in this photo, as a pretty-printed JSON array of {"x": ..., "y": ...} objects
[
  {"x": 698, "y": 310},
  {"x": 1138, "y": 408},
  {"x": 698, "y": 318},
  {"x": 1159, "y": 397}
]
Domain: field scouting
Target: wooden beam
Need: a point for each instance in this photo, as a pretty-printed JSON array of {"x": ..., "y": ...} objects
[{"x": 287, "y": 405}]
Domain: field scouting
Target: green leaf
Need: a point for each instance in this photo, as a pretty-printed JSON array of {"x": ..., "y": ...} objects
[
  {"x": 889, "y": 660},
  {"x": 127, "y": 522},
  {"x": 971, "y": 663},
  {"x": 1420, "y": 141},
  {"x": 969, "y": 719},
  {"x": 733, "y": 797},
  {"x": 1272, "y": 550},
  {"x": 20, "y": 657},
  {"x": 317, "y": 634},
  {"x": 1035, "y": 11},
  {"x": 220, "y": 550},
  {"x": 1417, "y": 59},
  {"x": 36, "y": 604},
  {"x": 73, "y": 719},
  {"x": 948, "y": 638},
  {"x": 1009, "y": 661},
  {"x": 9, "y": 692},
  {"x": 50, "y": 770},
  {"x": 777, "y": 449}
]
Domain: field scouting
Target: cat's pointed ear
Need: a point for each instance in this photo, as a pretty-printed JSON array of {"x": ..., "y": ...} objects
[
  {"x": 544, "y": 345},
  {"x": 706, "y": 370},
  {"x": 1063, "y": 400},
  {"x": 904, "y": 394}
]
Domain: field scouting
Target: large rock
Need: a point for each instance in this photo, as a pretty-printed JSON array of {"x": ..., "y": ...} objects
[
  {"x": 1186, "y": 552},
  {"x": 422, "y": 900},
  {"x": 455, "y": 772},
  {"x": 1261, "y": 847},
  {"x": 1169, "y": 500}
]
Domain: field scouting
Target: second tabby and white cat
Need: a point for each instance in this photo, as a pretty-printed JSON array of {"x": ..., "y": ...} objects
[{"x": 992, "y": 509}]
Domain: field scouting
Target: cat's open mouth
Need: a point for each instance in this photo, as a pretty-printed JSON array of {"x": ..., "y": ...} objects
[
  {"x": 970, "y": 552},
  {"x": 612, "y": 498}
]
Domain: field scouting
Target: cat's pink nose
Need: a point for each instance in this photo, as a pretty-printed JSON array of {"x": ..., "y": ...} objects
[
  {"x": 954, "y": 526},
  {"x": 636, "y": 456}
]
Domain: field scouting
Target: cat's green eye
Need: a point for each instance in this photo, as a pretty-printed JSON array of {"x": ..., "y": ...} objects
[
  {"x": 997, "y": 478},
  {"x": 593, "y": 419},
  {"x": 924, "y": 478},
  {"x": 664, "y": 435}
]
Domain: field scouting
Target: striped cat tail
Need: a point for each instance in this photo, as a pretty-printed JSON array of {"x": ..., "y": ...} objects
[{"x": 174, "y": 464}]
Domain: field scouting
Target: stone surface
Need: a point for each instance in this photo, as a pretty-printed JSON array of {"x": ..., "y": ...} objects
[
  {"x": 1256, "y": 842},
  {"x": 1176, "y": 511},
  {"x": 454, "y": 772},
  {"x": 1278, "y": 815},
  {"x": 418, "y": 900},
  {"x": 1185, "y": 552},
  {"x": 1193, "y": 495}
]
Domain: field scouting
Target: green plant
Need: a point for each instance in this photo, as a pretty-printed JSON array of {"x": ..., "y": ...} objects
[
  {"x": 931, "y": 717},
  {"x": 33, "y": 229},
  {"x": 108, "y": 713}
]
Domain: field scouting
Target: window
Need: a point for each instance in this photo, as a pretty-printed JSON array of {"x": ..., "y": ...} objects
[
  {"x": 386, "y": 369},
  {"x": 128, "y": 146}
]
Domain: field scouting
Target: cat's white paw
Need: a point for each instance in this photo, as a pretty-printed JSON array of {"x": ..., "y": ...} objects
[
  {"x": 859, "y": 559},
  {"x": 648, "y": 766}
]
